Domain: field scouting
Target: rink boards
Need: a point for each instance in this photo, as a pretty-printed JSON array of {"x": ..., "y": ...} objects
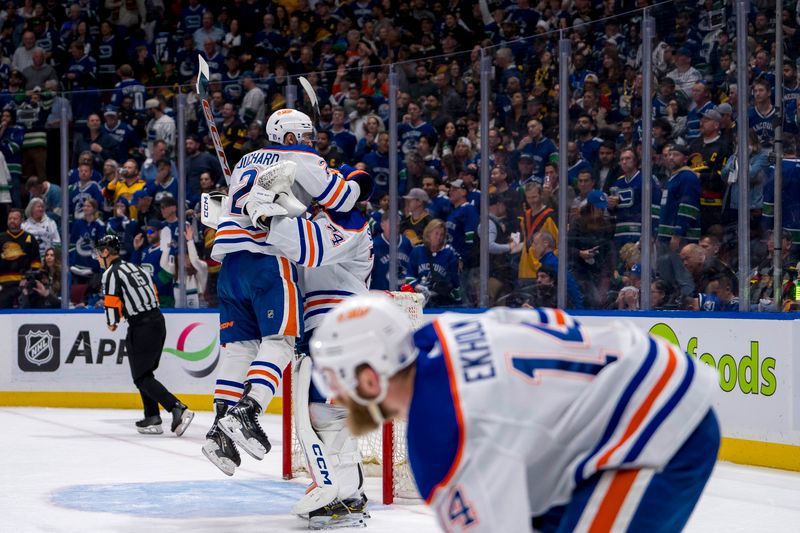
[{"x": 70, "y": 359}]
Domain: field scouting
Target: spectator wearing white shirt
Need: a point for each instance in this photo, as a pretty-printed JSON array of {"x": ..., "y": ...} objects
[
  {"x": 38, "y": 224},
  {"x": 23, "y": 55}
]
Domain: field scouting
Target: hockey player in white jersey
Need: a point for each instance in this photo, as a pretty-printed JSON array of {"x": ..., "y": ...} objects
[
  {"x": 345, "y": 260},
  {"x": 333, "y": 252},
  {"x": 524, "y": 419},
  {"x": 260, "y": 302}
]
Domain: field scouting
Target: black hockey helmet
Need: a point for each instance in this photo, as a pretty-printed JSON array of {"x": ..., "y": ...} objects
[{"x": 108, "y": 242}]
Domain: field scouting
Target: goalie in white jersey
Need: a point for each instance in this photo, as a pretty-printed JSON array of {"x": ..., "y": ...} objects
[
  {"x": 524, "y": 419},
  {"x": 334, "y": 254}
]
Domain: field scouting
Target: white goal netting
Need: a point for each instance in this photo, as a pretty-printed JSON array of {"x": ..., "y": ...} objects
[{"x": 383, "y": 452}]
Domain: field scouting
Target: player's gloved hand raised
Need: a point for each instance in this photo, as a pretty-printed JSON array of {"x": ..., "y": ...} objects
[{"x": 261, "y": 207}]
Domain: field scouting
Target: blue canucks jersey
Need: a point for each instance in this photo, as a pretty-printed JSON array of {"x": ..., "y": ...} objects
[{"x": 380, "y": 265}]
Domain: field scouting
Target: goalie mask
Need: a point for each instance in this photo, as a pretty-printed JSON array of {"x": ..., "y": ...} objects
[
  {"x": 363, "y": 330},
  {"x": 290, "y": 121}
]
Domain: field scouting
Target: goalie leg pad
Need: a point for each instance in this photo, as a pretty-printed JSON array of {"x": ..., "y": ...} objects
[
  {"x": 330, "y": 423},
  {"x": 324, "y": 490}
]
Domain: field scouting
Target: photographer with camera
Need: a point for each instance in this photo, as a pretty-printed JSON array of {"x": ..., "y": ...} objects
[
  {"x": 36, "y": 292},
  {"x": 19, "y": 253}
]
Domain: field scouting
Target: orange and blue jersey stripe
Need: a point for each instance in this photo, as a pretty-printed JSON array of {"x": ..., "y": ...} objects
[
  {"x": 636, "y": 436},
  {"x": 320, "y": 302},
  {"x": 230, "y": 232},
  {"x": 228, "y": 391},
  {"x": 310, "y": 238},
  {"x": 265, "y": 373}
]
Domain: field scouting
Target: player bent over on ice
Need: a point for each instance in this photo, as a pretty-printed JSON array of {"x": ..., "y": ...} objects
[{"x": 524, "y": 419}]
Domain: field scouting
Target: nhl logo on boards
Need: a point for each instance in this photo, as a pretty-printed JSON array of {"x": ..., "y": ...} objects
[{"x": 39, "y": 347}]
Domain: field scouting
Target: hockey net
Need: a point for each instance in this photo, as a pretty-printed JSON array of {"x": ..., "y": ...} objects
[{"x": 383, "y": 452}]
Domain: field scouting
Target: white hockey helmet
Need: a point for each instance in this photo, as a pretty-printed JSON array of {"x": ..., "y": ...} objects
[
  {"x": 369, "y": 329},
  {"x": 286, "y": 121}
]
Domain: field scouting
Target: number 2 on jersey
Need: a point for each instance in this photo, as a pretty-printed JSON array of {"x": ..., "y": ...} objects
[{"x": 239, "y": 195}]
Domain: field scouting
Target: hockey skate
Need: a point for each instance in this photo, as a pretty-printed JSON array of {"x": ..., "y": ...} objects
[
  {"x": 150, "y": 425},
  {"x": 219, "y": 448},
  {"x": 181, "y": 418},
  {"x": 241, "y": 425},
  {"x": 336, "y": 515}
]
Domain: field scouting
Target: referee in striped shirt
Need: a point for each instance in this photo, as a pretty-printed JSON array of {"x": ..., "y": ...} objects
[{"x": 129, "y": 293}]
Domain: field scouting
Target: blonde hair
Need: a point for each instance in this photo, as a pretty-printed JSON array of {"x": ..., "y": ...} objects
[{"x": 432, "y": 226}]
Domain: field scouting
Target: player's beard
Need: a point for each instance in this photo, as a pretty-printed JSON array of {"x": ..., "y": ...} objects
[{"x": 359, "y": 419}]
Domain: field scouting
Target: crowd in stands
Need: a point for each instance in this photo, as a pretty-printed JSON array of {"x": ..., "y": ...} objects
[{"x": 116, "y": 68}]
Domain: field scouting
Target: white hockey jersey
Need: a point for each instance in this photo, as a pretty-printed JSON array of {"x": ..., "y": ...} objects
[
  {"x": 334, "y": 255},
  {"x": 513, "y": 408},
  {"x": 313, "y": 181}
]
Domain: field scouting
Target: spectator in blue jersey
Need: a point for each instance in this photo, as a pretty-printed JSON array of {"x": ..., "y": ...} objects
[
  {"x": 680, "y": 205},
  {"x": 84, "y": 157},
  {"x": 84, "y": 189},
  {"x": 586, "y": 142},
  {"x": 576, "y": 163},
  {"x": 790, "y": 194},
  {"x": 469, "y": 175},
  {"x": 433, "y": 268},
  {"x": 761, "y": 118},
  {"x": 121, "y": 225},
  {"x": 543, "y": 245},
  {"x": 81, "y": 76},
  {"x": 83, "y": 234},
  {"x": 128, "y": 142},
  {"x": 341, "y": 136},
  {"x": 538, "y": 146},
  {"x": 128, "y": 86},
  {"x": 701, "y": 103},
  {"x": 155, "y": 258},
  {"x": 625, "y": 204},
  {"x": 462, "y": 228},
  {"x": 381, "y": 252},
  {"x": 378, "y": 162},
  {"x": 412, "y": 127},
  {"x": 11, "y": 137},
  {"x": 146, "y": 208},
  {"x": 165, "y": 183},
  {"x": 439, "y": 205},
  {"x": 192, "y": 17}
]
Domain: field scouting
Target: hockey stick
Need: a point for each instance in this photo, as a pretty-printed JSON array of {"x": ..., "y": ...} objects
[
  {"x": 203, "y": 79},
  {"x": 312, "y": 97}
]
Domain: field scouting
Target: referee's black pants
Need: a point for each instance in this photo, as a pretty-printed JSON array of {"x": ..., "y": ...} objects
[{"x": 145, "y": 340}]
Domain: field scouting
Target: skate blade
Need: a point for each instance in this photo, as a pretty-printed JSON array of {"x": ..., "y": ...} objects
[
  {"x": 351, "y": 520},
  {"x": 232, "y": 429},
  {"x": 150, "y": 430},
  {"x": 225, "y": 465},
  {"x": 186, "y": 419}
]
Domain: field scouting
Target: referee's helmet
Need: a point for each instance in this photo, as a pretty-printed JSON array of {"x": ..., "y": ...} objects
[{"x": 108, "y": 242}]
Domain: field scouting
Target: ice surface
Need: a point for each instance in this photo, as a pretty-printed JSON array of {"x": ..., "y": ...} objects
[{"x": 88, "y": 470}]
